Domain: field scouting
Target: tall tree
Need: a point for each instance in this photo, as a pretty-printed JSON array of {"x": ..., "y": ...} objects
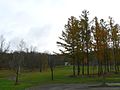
[
  {"x": 86, "y": 35},
  {"x": 98, "y": 43},
  {"x": 69, "y": 40},
  {"x": 115, "y": 42},
  {"x": 21, "y": 49}
]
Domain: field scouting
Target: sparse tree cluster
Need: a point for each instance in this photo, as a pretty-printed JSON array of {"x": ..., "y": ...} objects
[
  {"x": 87, "y": 45},
  {"x": 91, "y": 43}
]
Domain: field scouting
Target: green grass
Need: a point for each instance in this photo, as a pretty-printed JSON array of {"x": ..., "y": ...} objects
[
  {"x": 61, "y": 75},
  {"x": 6, "y": 73}
]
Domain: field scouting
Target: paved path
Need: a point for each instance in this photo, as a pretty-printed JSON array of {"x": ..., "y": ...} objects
[{"x": 71, "y": 87}]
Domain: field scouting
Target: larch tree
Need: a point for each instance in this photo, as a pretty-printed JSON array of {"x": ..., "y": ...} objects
[
  {"x": 86, "y": 35},
  {"x": 98, "y": 44},
  {"x": 115, "y": 42},
  {"x": 70, "y": 42}
]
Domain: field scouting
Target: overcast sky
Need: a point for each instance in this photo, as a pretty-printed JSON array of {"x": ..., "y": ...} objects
[{"x": 40, "y": 22}]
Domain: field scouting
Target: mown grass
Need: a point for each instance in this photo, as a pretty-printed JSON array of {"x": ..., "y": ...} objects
[{"x": 61, "y": 75}]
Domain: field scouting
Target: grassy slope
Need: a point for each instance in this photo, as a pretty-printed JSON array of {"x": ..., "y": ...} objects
[{"x": 36, "y": 78}]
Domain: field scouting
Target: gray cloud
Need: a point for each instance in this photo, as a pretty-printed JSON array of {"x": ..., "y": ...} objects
[
  {"x": 38, "y": 32},
  {"x": 40, "y": 22}
]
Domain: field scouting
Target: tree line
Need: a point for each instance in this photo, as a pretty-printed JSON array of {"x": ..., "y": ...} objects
[
  {"x": 26, "y": 59},
  {"x": 94, "y": 43}
]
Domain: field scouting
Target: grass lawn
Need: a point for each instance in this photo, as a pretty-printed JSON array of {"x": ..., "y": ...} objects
[{"x": 61, "y": 75}]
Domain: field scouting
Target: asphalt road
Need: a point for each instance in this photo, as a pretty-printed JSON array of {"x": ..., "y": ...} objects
[{"x": 72, "y": 87}]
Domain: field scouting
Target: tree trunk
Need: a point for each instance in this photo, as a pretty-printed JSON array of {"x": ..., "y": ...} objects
[
  {"x": 17, "y": 76},
  {"x": 52, "y": 76},
  {"x": 78, "y": 63},
  {"x": 74, "y": 68},
  {"x": 83, "y": 67},
  {"x": 87, "y": 63}
]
